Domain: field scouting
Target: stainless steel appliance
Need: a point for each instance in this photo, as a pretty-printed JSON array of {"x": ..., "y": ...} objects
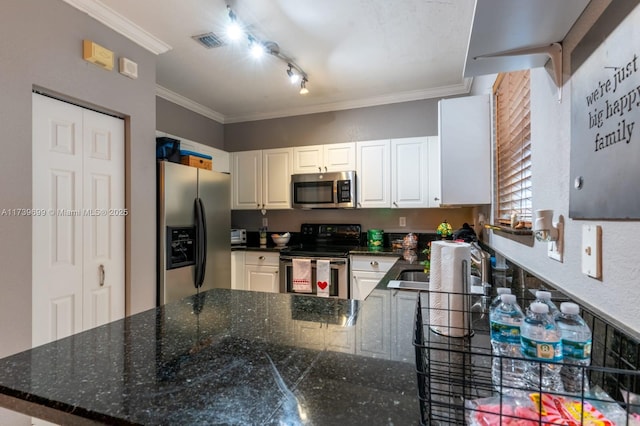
[
  {"x": 238, "y": 237},
  {"x": 324, "y": 190},
  {"x": 194, "y": 218},
  {"x": 322, "y": 241}
]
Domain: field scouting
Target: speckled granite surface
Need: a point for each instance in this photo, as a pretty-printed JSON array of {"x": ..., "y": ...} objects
[{"x": 224, "y": 357}]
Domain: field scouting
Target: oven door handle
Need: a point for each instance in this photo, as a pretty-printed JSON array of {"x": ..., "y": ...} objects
[{"x": 333, "y": 261}]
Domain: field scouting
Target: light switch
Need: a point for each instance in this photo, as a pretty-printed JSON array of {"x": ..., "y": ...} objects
[
  {"x": 592, "y": 250},
  {"x": 403, "y": 221},
  {"x": 265, "y": 222}
]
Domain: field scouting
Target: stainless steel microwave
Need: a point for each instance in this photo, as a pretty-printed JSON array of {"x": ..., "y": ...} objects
[{"x": 333, "y": 190}]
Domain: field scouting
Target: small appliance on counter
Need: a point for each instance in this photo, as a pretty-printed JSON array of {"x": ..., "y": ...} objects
[{"x": 238, "y": 237}]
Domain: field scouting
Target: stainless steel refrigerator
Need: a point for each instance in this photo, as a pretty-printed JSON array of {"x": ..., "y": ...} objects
[{"x": 194, "y": 219}]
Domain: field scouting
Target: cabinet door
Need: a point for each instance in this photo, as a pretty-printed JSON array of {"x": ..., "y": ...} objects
[
  {"x": 374, "y": 173},
  {"x": 277, "y": 178},
  {"x": 435, "y": 195},
  {"x": 339, "y": 157},
  {"x": 403, "y": 307},
  {"x": 464, "y": 127},
  {"x": 246, "y": 177},
  {"x": 373, "y": 329},
  {"x": 409, "y": 173},
  {"x": 261, "y": 278},
  {"x": 237, "y": 270},
  {"x": 308, "y": 159},
  {"x": 363, "y": 283}
]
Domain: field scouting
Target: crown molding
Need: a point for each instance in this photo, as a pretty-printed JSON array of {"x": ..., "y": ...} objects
[
  {"x": 120, "y": 24},
  {"x": 415, "y": 95},
  {"x": 187, "y": 103}
]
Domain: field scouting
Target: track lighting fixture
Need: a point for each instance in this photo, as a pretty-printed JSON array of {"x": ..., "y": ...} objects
[{"x": 235, "y": 30}]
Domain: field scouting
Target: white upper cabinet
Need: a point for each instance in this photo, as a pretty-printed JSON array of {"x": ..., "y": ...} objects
[
  {"x": 261, "y": 179},
  {"x": 373, "y": 169},
  {"x": 393, "y": 173},
  {"x": 464, "y": 127},
  {"x": 336, "y": 157},
  {"x": 410, "y": 172}
]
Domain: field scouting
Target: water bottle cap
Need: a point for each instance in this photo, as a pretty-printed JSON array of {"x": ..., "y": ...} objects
[
  {"x": 539, "y": 308},
  {"x": 543, "y": 295},
  {"x": 569, "y": 308},
  {"x": 503, "y": 290},
  {"x": 508, "y": 298}
]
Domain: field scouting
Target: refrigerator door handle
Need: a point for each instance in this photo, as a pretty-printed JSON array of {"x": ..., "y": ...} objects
[
  {"x": 198, "y": 256},
  {"x": 203, "y": 242}
]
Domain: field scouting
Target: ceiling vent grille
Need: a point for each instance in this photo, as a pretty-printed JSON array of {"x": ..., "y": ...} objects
[{"x": 208, "y": 40}]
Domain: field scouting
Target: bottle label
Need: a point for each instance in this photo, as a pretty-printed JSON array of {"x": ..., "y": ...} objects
[
  {"x": 547, "y": 351},
  {"x": 576, "y": 350},
  {"x": 505, "y": 333}
]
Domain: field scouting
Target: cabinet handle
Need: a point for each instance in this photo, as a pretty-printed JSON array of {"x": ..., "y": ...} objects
[
  {"x": 436, "y": 199},
  {"x": 261, "y": 258},
  {"x": 325, "y": 169},
  {"x": 319, "y": 169},
  {"x": 101, "y": 271},
  {"x": 373, "y": 263},
  {"x": 395, "y": 204}
]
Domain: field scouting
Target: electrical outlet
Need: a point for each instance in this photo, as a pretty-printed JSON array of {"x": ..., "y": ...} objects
[
  {"x": 403, "y": 221},
  {"x": 265, "y": 222}
]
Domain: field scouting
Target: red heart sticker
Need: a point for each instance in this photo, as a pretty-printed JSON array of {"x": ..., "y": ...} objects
[{"x": 322, "y": 284}]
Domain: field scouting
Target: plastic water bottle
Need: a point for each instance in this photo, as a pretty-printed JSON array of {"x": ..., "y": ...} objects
[
  {"x": 542, "y": 347},
  {"x": 507, "y": 365},
  {"x": 496, "y": 300},
  {"x": 576, "y": 348},
  {"x": 545, "y": 297}
]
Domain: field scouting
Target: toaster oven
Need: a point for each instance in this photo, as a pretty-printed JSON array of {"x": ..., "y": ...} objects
[{"x": 238, "y": 237}]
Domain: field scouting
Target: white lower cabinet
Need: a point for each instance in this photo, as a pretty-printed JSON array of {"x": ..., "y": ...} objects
[
  {"x": 366, "y": 273},
  {"x": 403, "y": 306},
  {"x": 237, "y": 270},
  {"x": 373, "y": 327},
  {"x": 261, "y": 271}
]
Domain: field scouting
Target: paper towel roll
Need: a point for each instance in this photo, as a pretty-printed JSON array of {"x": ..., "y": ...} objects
[{"x": 448, "y": 310}]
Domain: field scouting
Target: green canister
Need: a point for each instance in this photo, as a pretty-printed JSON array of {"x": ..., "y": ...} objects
[{"x": 375, "y": 238}]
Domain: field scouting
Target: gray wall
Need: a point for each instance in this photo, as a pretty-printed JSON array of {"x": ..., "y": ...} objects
[
  {"x": 41, "y": 45},
  {"x": 176, "y": 120},
  {"x": 418, "y": 118}
]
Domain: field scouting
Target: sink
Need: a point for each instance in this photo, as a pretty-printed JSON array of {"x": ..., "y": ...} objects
[{"x": 413, "y": 275}]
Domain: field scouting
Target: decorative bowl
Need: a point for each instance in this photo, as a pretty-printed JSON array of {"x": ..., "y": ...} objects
[{"x": 281, "y": 240}]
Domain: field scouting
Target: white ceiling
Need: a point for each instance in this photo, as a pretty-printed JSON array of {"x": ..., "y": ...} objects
[{"x": 355, "y": 52}]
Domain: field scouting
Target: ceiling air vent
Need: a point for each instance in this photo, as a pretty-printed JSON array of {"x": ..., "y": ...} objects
[{"x": 208, "y": 40}]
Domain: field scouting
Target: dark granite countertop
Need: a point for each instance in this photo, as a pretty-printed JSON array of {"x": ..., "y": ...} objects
[{"x": 222, "y": 357}]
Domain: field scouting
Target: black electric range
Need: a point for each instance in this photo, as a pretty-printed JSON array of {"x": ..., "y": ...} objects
[{"x": 325, "y": 240}]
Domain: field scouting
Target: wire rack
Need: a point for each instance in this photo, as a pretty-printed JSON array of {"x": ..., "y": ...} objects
[{"x": 454, "y": 372}]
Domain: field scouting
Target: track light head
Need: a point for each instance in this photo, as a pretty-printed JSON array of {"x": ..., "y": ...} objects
[
  {"x": 303, "y": 86},
  {"x": 294, "y": 77}
]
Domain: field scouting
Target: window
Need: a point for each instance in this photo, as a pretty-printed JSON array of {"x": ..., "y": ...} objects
[{"x": 513, "y": 147}]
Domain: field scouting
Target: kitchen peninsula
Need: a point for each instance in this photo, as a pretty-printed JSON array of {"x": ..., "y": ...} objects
[{"x": 220, "y": 357}]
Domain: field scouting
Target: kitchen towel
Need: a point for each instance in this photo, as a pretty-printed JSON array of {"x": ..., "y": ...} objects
[
  {"x": 302, "y": 275},
  {"x": 323, "y": 277},
  {"x": 448, "y": 298}
]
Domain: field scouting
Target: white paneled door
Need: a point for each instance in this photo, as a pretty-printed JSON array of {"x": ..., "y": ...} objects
[{"x": 77, "y": 219}]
